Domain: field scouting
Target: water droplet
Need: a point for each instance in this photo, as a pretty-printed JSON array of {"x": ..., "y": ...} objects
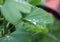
[{"x": 34, "y": 22}]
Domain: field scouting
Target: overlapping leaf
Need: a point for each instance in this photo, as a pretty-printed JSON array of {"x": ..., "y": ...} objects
[
  {"x": 39, "y": 18},
  {"x": 11, "y": 10}
]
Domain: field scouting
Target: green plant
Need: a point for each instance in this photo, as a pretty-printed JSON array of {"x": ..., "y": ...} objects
[{"x": 22, "y": 21}]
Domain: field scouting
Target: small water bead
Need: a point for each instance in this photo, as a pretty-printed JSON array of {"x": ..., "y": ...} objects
[{"x": 34, "y": 21}]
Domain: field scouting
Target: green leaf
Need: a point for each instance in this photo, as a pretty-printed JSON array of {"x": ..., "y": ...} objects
[
  {"x": 39, "y": 17},
  {"x": 1, "y": 18},
  {"x": 20, "y": 5},
  {"x": 31, "y": 28},
  {"x": 1, "y": 28},
  {"x": 22, "y": 36},
  {"x": 49, "y": 38},
  {"x": 11, "y": 14},
  {"x": 1, "y": 2},
  {"x": 19, "y": 26},
  {"x": 34, "y": 2}
]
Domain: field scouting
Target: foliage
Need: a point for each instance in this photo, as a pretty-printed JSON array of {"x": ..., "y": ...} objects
[{"x": 22, "y": 21}]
